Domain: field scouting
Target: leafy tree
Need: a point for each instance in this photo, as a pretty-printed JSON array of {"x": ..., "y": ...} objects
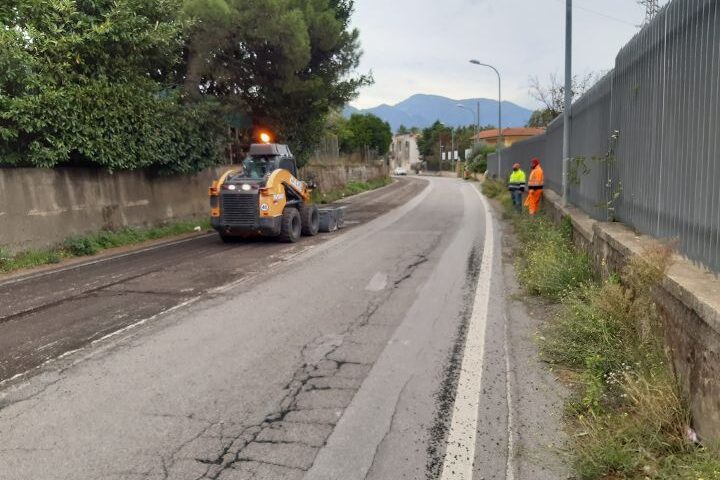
[
  {"x": 286, "y": 62},
  {"x": 429, "y": 142},
  {"x": 477, "y": 163},
  {"x": 365, "y": 131},
  {"x": 138, "y": 83},
  {"x": 540, "y": 118},
  {"x": 91, "y": 82},
  {"x": 402, "y": 130}
]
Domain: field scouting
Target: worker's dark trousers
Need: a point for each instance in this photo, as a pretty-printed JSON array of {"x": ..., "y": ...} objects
[{"x": 517, "y": 199}]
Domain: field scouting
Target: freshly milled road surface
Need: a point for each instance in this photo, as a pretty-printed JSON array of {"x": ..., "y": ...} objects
[
  {"x": 336, "y": 358},
  {"x": 44, "y": 315}
]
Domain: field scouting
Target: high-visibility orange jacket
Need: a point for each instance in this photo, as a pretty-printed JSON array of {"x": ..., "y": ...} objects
[
  {"x": 537, "y": 179},
  {"x": 535, "y": 187}
]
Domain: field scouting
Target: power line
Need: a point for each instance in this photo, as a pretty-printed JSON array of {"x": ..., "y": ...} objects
[{"x": 595, "y": 12}]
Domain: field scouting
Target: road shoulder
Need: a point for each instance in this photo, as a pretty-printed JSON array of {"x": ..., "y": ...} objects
[{"x": 536, "y": 396}]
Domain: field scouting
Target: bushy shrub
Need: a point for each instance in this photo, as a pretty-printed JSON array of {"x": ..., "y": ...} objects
[
  {"x": 81, "y": 246},
  {"x": 93, "y": 83}
]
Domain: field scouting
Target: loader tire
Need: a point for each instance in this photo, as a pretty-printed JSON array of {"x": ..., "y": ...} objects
[
  {"x": 291, "y": 227},
  {"x": 310, "y": 219}
]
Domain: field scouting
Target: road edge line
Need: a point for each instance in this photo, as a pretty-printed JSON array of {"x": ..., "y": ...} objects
[{"x": 460, "y": 451}]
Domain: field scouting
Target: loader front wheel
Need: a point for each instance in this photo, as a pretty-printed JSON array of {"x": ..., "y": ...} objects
[
  {"x": 291, "y": 227},
  {"x": 310, "y": 219}
]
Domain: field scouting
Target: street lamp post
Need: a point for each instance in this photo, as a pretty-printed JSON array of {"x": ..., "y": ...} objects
[
  {"x": 476, "y": 118},
  {"x": 500, "y": 134}
]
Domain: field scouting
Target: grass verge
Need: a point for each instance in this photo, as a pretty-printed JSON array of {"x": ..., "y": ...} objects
[
  {"x": 352, "y": 188},
  {"x": 627, "y": 417},
  {"x": 91, "y": 244}
]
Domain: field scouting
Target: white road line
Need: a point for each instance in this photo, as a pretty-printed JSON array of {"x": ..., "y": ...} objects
[
  {"x": 510, "y": 468},
  {"x": 460, "y": 451}
]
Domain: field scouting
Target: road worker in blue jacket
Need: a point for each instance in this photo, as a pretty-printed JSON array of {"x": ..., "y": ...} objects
[{"x": 516, "y": 185}]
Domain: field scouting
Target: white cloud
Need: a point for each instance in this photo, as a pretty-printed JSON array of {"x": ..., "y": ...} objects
[{"x": 424, "y": 46}]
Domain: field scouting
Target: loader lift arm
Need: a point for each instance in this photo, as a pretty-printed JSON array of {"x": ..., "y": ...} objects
[{"x": 285, "y": 178}]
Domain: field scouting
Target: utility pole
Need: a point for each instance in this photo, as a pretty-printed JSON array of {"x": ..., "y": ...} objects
[
  {"x": 442, "y": 147},
  {"x": 652, "y": 7},
  {"x": 568, "y": 99}
]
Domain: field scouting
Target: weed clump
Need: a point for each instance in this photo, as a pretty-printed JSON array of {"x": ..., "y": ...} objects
[
  {"x": 629, "y": 417},
  {"x": 80, "y": 246},
  {"x": 548, "y": 265},
  {"x": 493, "y": 188},
  {"x": 352, "y": 188}
]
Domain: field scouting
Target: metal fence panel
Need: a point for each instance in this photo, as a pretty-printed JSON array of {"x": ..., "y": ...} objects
[
  {"x": 663, "y": 99},
  {"x": 590, "y": 146}
]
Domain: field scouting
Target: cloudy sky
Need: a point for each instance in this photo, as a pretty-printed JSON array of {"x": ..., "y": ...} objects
[{"x": 423, "y": 46}]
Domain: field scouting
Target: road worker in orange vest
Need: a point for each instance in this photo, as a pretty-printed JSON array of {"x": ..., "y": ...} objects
[{"x": 535, "y": 187}]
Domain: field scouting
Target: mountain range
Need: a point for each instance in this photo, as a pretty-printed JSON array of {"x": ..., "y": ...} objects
[{"x": 423, "y": 110}]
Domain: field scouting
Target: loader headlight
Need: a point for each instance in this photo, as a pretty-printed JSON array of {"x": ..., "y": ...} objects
[
  {"x": 246, "y": 187},
  {"x": 231, "y": 187}
]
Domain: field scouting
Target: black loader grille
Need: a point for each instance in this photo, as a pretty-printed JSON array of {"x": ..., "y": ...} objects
[{"x": 239, "y": 209}]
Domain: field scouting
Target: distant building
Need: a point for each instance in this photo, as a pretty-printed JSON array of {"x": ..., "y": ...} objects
[
  {"x": 404, "y": 151},
  {"x": 510, "y": 135}
]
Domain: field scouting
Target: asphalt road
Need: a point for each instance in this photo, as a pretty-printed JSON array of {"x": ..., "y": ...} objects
[
  {"x": 47, "y": 314},
  {"x": 337, "y": 358}
]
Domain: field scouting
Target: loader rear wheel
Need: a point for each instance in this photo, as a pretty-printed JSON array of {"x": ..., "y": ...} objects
[
  {"x": 291, "y": 227},
  {"x": 310, "y": 218}
]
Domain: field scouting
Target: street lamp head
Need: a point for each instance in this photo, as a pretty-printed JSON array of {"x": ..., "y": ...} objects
[{"x": 475, "y": 62}]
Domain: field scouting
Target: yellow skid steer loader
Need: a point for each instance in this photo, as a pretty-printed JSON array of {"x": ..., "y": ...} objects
[{"x": 265, "y": 198}]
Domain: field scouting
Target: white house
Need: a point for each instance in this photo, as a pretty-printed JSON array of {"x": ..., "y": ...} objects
[{"x": 404, "y": 152}]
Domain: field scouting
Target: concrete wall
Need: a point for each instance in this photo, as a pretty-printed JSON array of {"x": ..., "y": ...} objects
[
  {"x": 42, "y": 207},
  {"x": 689, "y": 302},
  {"x": 329, "y": 176}
]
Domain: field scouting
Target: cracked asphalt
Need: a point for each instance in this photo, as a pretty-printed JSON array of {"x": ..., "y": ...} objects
[{"x": 336, "y": 358}]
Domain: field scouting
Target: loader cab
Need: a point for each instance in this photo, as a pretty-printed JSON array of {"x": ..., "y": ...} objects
[{"x": 265, "y": 158}]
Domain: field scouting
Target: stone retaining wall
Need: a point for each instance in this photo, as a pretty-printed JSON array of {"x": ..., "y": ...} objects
[{"x": 689, "y": 301}]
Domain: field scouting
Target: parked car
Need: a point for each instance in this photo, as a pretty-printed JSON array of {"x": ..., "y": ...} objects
[{"x": 400, "y": 171}]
